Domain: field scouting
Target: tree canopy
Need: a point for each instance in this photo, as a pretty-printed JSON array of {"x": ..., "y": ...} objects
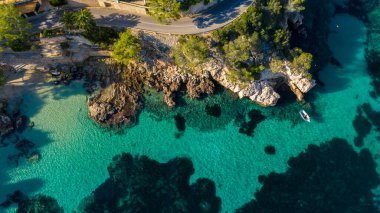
[
  {"x": 238, "y": 50},
  {"x": 69, "y": 20},
  {"x": 13, "y": 28},
  {"x": 301, "y": 61},
  {"x": 85, "y": 20},
  {"x": 165, "y": 11},
  {"x": 126, "y": 48},
  {"x": 191, "y": 51}
]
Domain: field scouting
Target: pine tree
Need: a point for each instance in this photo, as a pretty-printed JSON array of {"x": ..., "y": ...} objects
[{"x": 165, "y": 11}]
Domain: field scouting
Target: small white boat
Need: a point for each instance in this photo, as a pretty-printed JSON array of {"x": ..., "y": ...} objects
[{"x": 304, "y": 116}]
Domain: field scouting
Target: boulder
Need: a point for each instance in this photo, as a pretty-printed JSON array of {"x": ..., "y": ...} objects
[
  {"x": 260, "y": 92},
  {"x": 197, "y": 86},
  {"x": 169, "y": 99},
  {"x": 25, "y": 146},
  {"x": 115, "y": 105},
  {"x": 34, "y": 157},
  {"x": 21, "y": 123},
  {"x": 6, "y": 125}
]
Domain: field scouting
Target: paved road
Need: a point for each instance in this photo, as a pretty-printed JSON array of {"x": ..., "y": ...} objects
[{"x": 214, "y": 18}]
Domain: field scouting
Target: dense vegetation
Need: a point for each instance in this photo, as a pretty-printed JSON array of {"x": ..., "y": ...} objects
[
  {"x": 165, "y": 11},
  {"x": 191, "y": 51},
  {"x": 81, "y": 20},
  {"x": 84, "y": 21},
  {"x": 14, "y": 30},
  {"x": 250, "y": 41},
  {"x": 127, "y": 48},
  {"x": 57, "y": 2}
]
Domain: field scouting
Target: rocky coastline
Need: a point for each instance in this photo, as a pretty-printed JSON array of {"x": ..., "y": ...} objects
[
  {"x": 121, "y": 95},
  {"x": 117, "y": 91}
]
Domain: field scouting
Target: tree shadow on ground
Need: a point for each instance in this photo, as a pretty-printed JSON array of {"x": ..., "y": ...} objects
[
  {"x": 331, "y": 177},
  {"x": 223, "y": 12},
  {"x": 46, "y": 20},
  {"x": 119, "y": 21}
]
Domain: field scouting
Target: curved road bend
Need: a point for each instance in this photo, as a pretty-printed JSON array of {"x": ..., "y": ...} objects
[{"x": 212, "y": 19}]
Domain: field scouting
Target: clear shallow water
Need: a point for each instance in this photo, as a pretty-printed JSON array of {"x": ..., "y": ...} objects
[{"x": 76, "y": 151}]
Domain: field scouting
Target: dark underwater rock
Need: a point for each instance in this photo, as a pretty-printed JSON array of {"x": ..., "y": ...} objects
[
  {"x": 255, "y": 117},
  {"x": 34, "y": 157},
  {"x": 361, "y": 8},
  {"x": 15, "y": 197},
  {"x": 270, "y": 150},
  {"x": 21, "y": 123},
  {"x": 140, "y": 185},
  {"x": 372, "y": 115},
  {"x": 31, "y": 124},
  {"x": 6, "y": 125},
  {"x": 39, "y": 204},
  {"x": 331, "y": 177},
  {"x": 363, "y": 128},
  {"x": 16, "y": 157},
  {"x": 25, "y": 146},
  {"x": 214, "y": 110}
]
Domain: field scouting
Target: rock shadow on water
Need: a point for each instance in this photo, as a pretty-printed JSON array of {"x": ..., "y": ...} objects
[
  {"x": 21, "y": 145},
  {"x": 214, "y": 110},
  {"x": 139, "y": 184},
  {"x": 331, "y": 177},
  {"x": 180, "y": 123}
]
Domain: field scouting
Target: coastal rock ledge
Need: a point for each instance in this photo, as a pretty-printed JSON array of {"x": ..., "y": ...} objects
[{"x": 260, "y": 91}]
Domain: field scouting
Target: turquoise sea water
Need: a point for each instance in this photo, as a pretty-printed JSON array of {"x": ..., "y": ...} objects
[{"x": 76, "y": 151}]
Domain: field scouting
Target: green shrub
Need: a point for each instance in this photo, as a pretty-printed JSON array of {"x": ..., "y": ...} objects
[
  {"x": 191, "y": 51},
  {"x": 14, "y": 30},
  {"x": 104, "y": 36},
  {"x": 57, "y": 3},
  {"x": 19, "y": 45},
  {"x": 126, "y": 48},
  {"x": 49, "y": 33}
]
